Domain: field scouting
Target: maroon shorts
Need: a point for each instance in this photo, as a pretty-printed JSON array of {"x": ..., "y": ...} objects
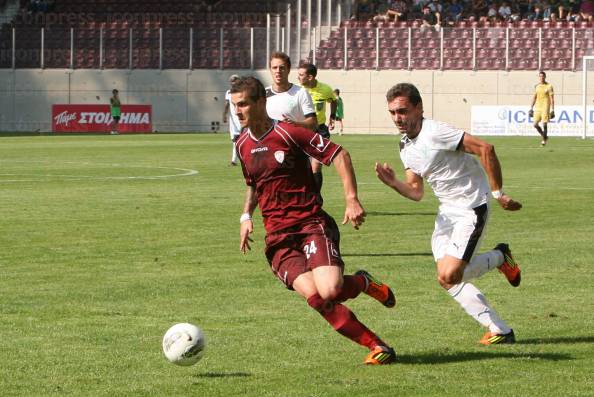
[{"x": 301, "y": 248}]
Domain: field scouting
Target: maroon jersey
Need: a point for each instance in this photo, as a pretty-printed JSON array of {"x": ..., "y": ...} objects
[{"x": 277, "y": 166}]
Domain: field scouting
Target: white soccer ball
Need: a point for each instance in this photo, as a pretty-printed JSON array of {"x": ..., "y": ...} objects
[{"x": 184, "y": 344}]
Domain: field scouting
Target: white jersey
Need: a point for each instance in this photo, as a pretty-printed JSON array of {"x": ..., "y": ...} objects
[
  {"x": 295, "y": 104},
  {"x": 234, "y": 126},
  {"x": 456, "y": 177}
]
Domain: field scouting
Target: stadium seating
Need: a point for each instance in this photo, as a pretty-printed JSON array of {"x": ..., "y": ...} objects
[{"x": 133, "y": 32}]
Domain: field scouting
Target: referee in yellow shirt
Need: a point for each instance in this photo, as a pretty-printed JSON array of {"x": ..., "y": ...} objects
[
  {"x": 543, "y": 106},
  {"x": 320, "y": 94}
]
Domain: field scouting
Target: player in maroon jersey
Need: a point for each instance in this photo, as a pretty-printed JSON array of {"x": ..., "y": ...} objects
[{"x": 302, "y": 241}]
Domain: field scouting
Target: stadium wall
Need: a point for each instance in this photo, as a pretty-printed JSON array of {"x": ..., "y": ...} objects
[{"x": 190, "y": 100}]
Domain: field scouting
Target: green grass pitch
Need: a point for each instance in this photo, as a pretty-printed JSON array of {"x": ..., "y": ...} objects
[{"x": 106, "y": 241}]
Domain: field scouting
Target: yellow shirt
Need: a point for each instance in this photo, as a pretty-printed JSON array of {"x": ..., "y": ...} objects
[
  {"x": 543, "y": 93},
  {"x": 320, "y": 94}
]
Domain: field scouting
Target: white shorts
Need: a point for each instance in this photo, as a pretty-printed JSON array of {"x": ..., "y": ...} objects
[{"x": 459, "y": 232}]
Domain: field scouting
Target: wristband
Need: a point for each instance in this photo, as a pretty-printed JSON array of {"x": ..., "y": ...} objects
[
  {"x": 497, "y": 194},
  {"x": 245, "y": 217}
]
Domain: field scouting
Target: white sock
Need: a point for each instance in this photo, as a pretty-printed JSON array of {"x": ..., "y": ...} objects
[
  {"x": 234, "y": 155},
  {"x": 476, "y": 305},
  {"x": 481, "y": 264}
]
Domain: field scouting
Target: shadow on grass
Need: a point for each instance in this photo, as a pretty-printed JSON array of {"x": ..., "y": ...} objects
[
  {"x": 556, "y": 341},
  {"x": 384, "y": 213},
  {"x": 224, "y": 375},
  {"x": 437, "y": 358},
  {"x": 389, "y": 254}
]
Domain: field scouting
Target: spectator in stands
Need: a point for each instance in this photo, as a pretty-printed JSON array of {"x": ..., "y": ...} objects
[
  {"x": 587, "y": 10},
  {"x": 504, "y": 11},
  {"x": 454, "y": 12},
  {"x": 116, "y": 111},
  {"x": 536, "y": 14},
  {"x": 397, "y": 10},
  {"x": 435, "y": 7},
  {"x": 479, "y": 8},
  {"x": 547, "y": 10},
  {"x": 430, "y": 19},
  {"x": 492, "y": 13},
  {"x": 567, "y": 8}
]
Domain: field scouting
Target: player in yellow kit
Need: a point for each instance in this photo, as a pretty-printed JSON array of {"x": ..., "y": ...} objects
[
  {"x": 320, "y": 94},
  {"x": 543, "y": 104}
]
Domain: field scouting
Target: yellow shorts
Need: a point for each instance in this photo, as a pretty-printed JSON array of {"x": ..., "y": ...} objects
[{"x": 539, "y": 116}]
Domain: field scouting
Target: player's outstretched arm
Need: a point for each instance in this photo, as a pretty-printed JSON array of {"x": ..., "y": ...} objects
[
  {"x": 311, "y": 122},
  {"x": 246, "y": 226},
  {"x": 411, "y": 188},
  {"x": 490, "y": 162},
  {"x": 354, "y": 211}
]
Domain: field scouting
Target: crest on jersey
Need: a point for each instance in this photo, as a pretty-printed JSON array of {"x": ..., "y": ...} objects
[{"x": 279, "y": 155}]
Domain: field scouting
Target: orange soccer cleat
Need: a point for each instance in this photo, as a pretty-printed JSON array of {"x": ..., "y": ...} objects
[
  {"x": 491, "y": 338},
  {"x": 380, "y": 355},
  {"x": 509, "y": 267},
  {"x": 378, "y": 290}
]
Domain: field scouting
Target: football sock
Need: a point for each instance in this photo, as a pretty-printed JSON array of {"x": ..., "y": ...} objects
[
  {"x": 476, "y": 305},
  {"x": 545, "y": 133},
  {"x": 481, "y": 264},
  {"x": 234, "y": 155},
  {"x": 351, "y": 288},
  {"x": 319, "y": 178},
  {"x": 539, "y": 130},
  {"x": 344, "y": 321}
]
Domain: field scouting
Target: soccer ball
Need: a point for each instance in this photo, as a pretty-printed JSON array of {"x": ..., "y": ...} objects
[{"x": 183, "y": 344}]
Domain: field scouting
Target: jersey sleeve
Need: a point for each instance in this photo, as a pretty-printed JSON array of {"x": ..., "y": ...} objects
[
  {"x": 447, "y": 137},
  {"x": 312, "y": 143},
  {"x": 306, "y": 103}
]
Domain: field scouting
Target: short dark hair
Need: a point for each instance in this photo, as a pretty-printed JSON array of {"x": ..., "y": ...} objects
[
  {"x": 280, "y": 55},
  {"x": 337, "y": 91},
  {"x": 543, "y": 73},
  {"x": 251, "y": 86},
  {"x": 406, "y": 90},
  {"x": 115, "y": 91},
  {"x": 310, "y": 68}
]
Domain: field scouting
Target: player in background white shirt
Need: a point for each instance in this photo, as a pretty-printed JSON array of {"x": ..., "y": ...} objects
[
  {"x": 286, "y": 101},
  {"x": 443, "y": 156},
  {"x": 234, "y": 126}
]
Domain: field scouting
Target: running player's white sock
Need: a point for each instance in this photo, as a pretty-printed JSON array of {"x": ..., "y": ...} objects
[
  {"x": 234, "y": 155},
  {"x": 481, "y": 264},
  {"x": 476, "y": 305}
]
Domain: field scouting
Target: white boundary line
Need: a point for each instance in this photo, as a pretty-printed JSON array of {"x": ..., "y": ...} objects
[{"x": 184, "y": 172}]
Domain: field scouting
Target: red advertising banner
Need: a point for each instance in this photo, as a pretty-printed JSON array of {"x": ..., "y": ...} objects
[{"x": 97, "y": 118}]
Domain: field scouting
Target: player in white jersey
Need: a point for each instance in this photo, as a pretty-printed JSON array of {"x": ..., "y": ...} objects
[
  {"x": 234, "y": 126},
  {"x": 443, "y": 156},
  {"x": 286, "y": 101}
]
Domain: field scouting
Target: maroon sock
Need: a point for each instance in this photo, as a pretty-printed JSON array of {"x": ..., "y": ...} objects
[
  {"x": 344, "y": 321},
  {"x": 351, "y": 288}
]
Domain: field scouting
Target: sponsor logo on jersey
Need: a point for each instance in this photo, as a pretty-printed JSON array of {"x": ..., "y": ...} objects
[
  {"x": 259, "y": 149},
  {"x": 279, "y": 155},
  {"x": 318, "y": 142}
]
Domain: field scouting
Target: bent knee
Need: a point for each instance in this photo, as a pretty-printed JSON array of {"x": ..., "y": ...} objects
[
  {"x": 447, "y": 280},
  {"x": 330, "y": 292}
]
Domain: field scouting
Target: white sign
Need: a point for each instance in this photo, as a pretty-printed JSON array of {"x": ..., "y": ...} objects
[{"x": 514, "y": 120}]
